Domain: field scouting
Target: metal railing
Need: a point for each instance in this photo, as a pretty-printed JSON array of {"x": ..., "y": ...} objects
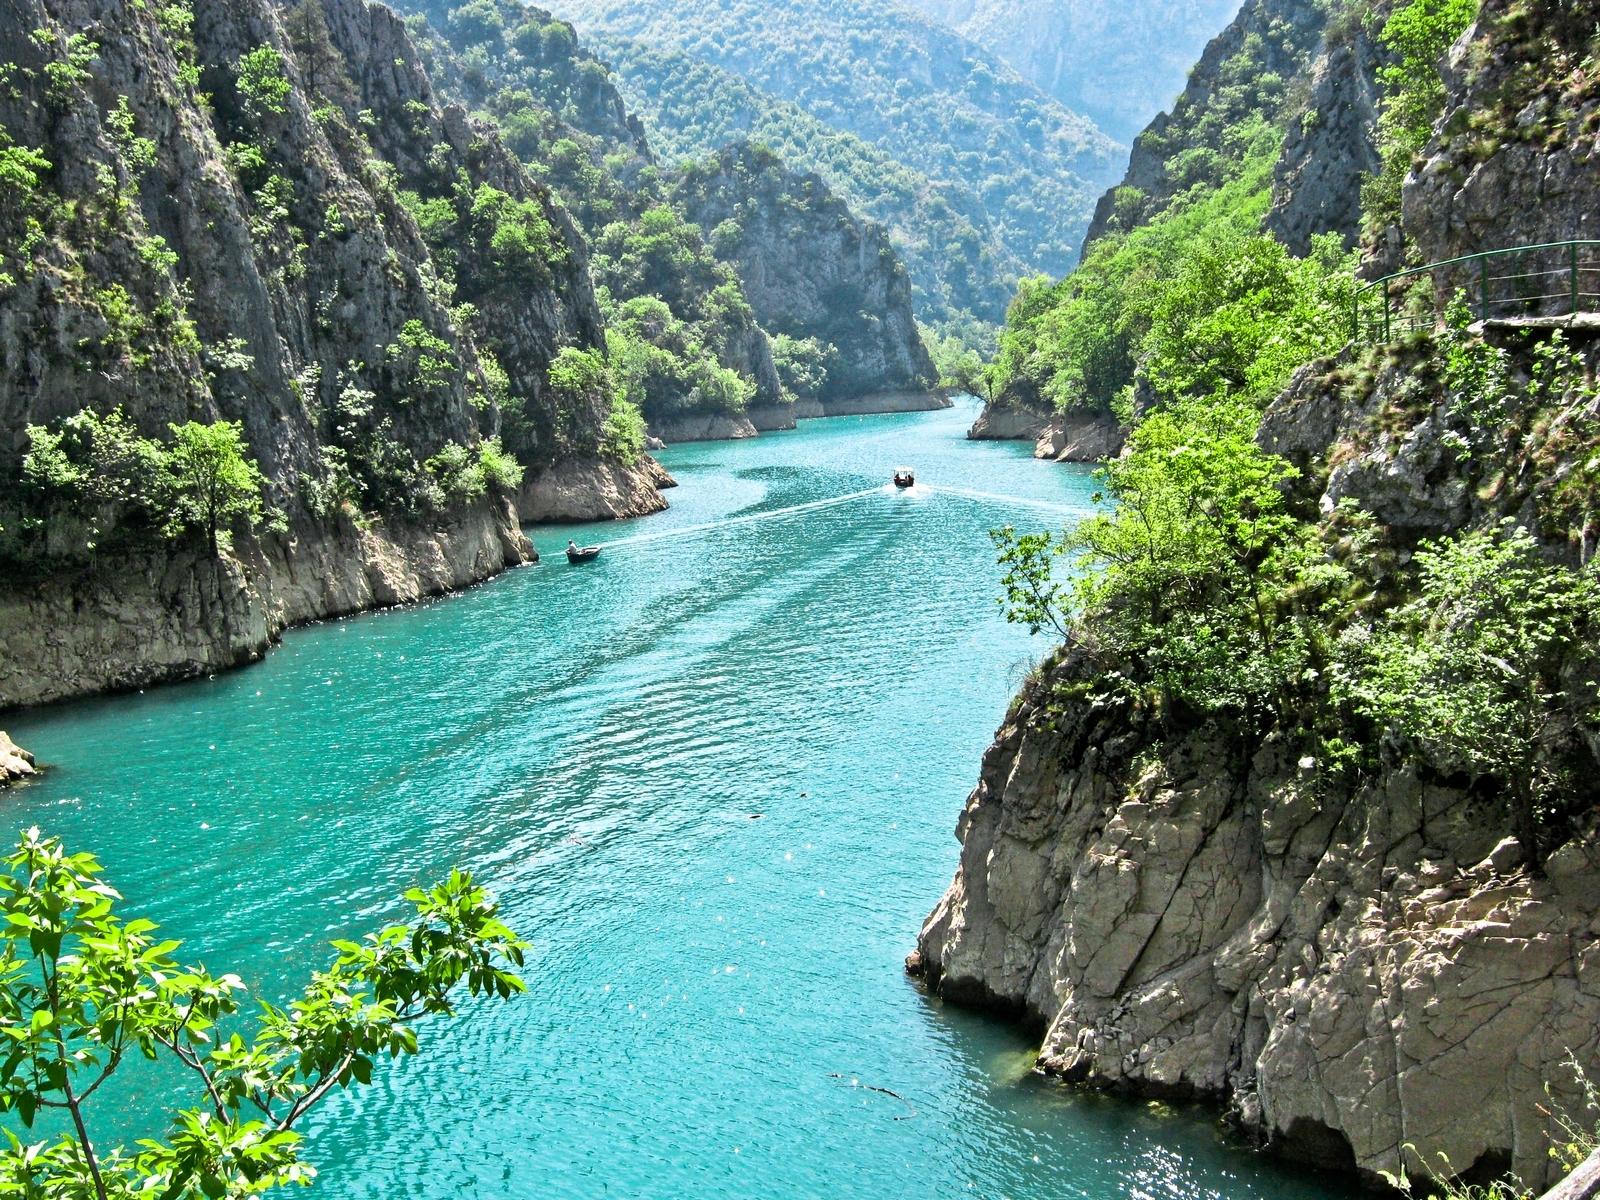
[{"x": 1550, "y": 280}]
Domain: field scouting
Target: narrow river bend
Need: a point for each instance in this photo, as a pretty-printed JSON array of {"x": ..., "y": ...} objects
[{"x": 713, "y": 776}]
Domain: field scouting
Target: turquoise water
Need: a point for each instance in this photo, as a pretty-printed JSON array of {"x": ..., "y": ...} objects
[{"x": 713, "y": 776}]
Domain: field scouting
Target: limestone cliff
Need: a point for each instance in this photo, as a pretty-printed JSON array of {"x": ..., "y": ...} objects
[
  {"x": 15, "y": 763},
  {"x": 812, "y": 269},
  {"x": 1308, "y": 68},
  {"x": 1513, "y": 161},
  {"x": 241, "y": 212}
]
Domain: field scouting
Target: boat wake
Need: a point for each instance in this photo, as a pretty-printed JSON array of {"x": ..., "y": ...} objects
[
  {"x": 917, "y": 491},
  {"x": 746, "y": 519},
  {"x": 1020, "y": 501}
]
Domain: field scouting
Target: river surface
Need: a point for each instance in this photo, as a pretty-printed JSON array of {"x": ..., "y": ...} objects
[{"x": 713, "y": 776}]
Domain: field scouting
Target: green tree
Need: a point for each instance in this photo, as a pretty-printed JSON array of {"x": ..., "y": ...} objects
[
  {"x": 216, "y": 483},
  {"x": 1198, "y": 580},
  {"x": 263, "y": 84},
  {"x": 1475, "y": 668},
  {"x": 83, "y": 991},
  {"x": 1417, "y": 34},
  {"x": 802, "y": 365}
]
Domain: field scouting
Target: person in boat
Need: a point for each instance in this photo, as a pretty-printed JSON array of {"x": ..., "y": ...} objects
[{"x": 572, "y": 547}]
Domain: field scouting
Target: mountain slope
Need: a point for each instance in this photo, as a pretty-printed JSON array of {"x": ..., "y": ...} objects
[
  {"x": 812, "y": 269},
  {"x": 959, "y": 266},
  {"x": 1118, "y": 64},
  {"x": 927, "y": 97},
  {"x": 256, "y": 257},
  {"x": 684, "y": 339}
]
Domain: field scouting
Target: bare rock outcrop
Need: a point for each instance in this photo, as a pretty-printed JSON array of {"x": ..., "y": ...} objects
[
  {"x": 162, "y": 617},
  {"x": 594, "y": 491},
  {"x": 1330, "y": 148},
  {"x": 1080, "y": 438},
  {"x": 1003, "y": 421},
  {"x": 16, "y": 764},
  {"x": 811, "y": 268},
  {"x": 1349, "y": 971},
  {"x": 1512, "y": 160}
]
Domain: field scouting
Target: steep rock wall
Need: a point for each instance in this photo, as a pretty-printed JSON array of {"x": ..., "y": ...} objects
[
  {"x": 1348, "y": 972},
  {"x": 288, "y": 275},
  {"x": 143, "y": 620},
  {"x": 812, "y": 269}
]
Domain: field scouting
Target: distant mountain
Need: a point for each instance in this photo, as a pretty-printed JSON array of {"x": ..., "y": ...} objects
[
  {"x": 1119, "y": 64},
  {"x": 957, "y": 261},
  {"x": 906, "y": 86}
]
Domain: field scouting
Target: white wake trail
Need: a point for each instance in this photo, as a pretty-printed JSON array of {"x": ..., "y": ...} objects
[
  {"x": 1021, "y": 501},
  {"x": 747, "y": 519}
]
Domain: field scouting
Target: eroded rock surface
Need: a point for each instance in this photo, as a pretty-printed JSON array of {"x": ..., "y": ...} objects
[
  {"x": 15, "y": 763},
  {"x": 1348, "y": 972}
]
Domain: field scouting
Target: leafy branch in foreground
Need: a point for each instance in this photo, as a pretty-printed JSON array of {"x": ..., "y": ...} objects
[{"x": 82, "y": 991}]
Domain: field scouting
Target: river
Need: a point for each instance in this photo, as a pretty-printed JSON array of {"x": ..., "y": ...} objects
[{"x": 713, "y": 777}]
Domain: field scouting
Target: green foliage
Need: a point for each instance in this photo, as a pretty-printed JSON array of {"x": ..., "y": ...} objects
[
  {"x": 978, "y": 176},
  {"x": 215, "y": 483},
  {"x": 1240, "y": 314},
  {"x": 520, "y": 239},
  {"x": 25, "y": 206},
  {"x": 263, "y": 84},
  {"x": 1198, "y": 583},
  {"x": 624, "y": 433},
  {"x": 68, "y": 74},
  {"x": 83, "y": 991},
  {"x": 426, "y": 360},
  {"x": 1199, "y": 294},
  {"x": 960, "y": 264},
  {"x": 663, "y": 368},
  {"x": 961, "y": 368},
  {"x": 1417, "y": 34},
  {"x": 803, "y": 365},
  {"x": 87, "y": 480},
  {"x": 468, "y": 472},
  {"x": 138, "y": 153},
  {"x": 1476, "y": 667}
]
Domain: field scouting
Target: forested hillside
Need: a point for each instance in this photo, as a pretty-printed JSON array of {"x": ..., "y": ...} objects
[
  {"x": 959, "y": 266},
  {"x": 1118, "y": 64},
  {"x": 929, "y": 99},
  {"x": 284, "y": 336},
  {"x": 1189, "y": 282},
  {"x": 686, "y": 346}
]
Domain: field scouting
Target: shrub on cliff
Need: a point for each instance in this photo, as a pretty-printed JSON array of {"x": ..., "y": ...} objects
[
  {"x": 1198, "y": 587},
  {"x": 1483, "y": 669}
]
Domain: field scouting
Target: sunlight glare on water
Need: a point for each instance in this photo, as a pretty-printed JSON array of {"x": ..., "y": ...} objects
[{"x": 713, "y": 777}]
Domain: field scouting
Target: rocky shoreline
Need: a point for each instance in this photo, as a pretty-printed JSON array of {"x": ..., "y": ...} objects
[
  {"x": 152, "y": 619},
  {"x": 16, "y": 764},
  {"x": 1344, "y": 971},
  {"x": 1071, "y": 438}
]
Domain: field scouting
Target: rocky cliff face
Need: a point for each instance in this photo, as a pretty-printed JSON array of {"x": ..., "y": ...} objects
[
  {"x": 811, "y": 269},
  {"x": 1329, "y": 146},
  {"x": 1513, "y": 162},
  {"x": 269, "y": 257},
  {"x": 1348, "y": 972},
  {"x": 1352, "y": 962},
  {"x": 1259, "y": 68}
]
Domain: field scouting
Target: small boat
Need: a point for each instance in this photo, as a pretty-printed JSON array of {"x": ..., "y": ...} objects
[
  {"x": 582, "y": 554},
  {"x": 903, "y": 478}
]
